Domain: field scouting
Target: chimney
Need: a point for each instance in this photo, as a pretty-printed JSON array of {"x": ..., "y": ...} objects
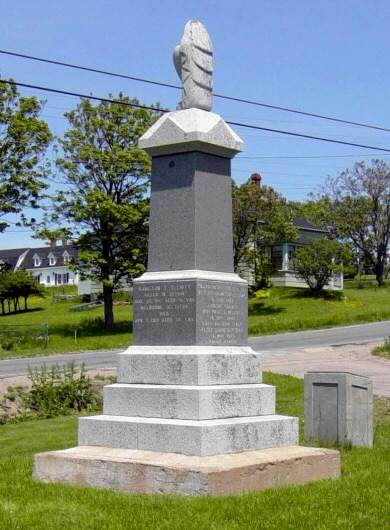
[
  {"x": 255, "y": 178},
  {"x": 53, "y": 242},
  {"x": 64, "y": 242}
]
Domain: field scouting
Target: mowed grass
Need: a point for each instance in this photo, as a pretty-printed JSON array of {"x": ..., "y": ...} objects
[
  {"x": 68, "y": 330},
  {"x": 284, "y": 309},
  {"x": 359, "y": 499},
  {"x": 289, "y": 309}
]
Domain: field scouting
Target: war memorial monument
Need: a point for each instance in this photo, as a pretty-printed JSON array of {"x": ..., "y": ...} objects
[{"x": 189, "y": 413}]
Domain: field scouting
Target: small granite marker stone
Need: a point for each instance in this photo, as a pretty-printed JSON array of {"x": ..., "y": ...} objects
[{"x": 338, "y": 408}]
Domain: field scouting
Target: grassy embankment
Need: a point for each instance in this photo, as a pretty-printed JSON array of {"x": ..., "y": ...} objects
[
  {"x": 284, "y": 309},
  {"x": 360, "y": 499},
  {"x": 287, "y": 309},
  {"x": 68, "y": 330}
]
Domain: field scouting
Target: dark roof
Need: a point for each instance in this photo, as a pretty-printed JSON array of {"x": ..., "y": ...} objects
[
  {"x": 301, "y": 222},
  {"x": 11, "y": 256},
  {"x": 44, "y": 252}
]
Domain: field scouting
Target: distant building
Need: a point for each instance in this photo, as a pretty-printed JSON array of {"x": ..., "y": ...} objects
[
  {"x": 283, "y": 252},
  {"x": 49, "y": 265}
]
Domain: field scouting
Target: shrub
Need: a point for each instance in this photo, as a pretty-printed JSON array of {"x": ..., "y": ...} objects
[
  {"x": 316, "y": 262},
  {"x": 383, "y": 350},
  {"x": 54, "y": 392}
]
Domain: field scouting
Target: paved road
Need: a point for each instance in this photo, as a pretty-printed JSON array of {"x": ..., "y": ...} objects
[
  {"x": 283, "y": 342},
  {"x": 357, "y": 334}
]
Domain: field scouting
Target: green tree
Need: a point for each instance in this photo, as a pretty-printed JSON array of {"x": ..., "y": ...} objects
[
  {"x": 355, "y": 208},
  {"x": 104, "y": 203},
  {"x": 261, "y": 217},
  {"x": 23, "y": 142},
  {"x": 317, "y": 261},
  {"x": 17, "y": 285}
]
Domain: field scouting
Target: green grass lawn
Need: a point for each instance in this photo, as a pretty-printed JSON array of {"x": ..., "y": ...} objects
[
  {"x": 359, "y": 499},
  {"x": 284, "y": 309},
  {"x": 289, "y": 309},
  {"x": 64, "y": 323}
]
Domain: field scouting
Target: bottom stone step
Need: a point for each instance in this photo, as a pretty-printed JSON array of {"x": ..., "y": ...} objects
[
  {"x": 189, "y": 437},
  {"x": 133, "y": 471}
]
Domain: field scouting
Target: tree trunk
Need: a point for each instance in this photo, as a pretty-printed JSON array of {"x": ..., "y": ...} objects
[
  {"x": 108, "y": 307},
  {"x": 25, "y": 303},
  {"x": 379, "y": 274}
]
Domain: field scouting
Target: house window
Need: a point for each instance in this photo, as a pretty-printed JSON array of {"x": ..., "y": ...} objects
[
  {"x": 65, "y": 278},
  {"x": 37, "y": 260},
  {"x": 291, "y": 254},
  {"x": 52, "y": 259},
  {"x": 48, "y": 279},
  {"x": 66, "y": 258},
  {"x": 277, "y": 257}
]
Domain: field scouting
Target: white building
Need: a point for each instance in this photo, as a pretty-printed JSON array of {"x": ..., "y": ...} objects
[{"x": 49, "y": 265}]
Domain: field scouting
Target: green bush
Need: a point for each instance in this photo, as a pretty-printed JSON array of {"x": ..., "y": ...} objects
[
  {"x": 383, "y": 350},
  {"x": 54, "y": 392}
]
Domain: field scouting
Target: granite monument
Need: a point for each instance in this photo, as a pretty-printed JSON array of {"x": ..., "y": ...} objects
[{"x": 189, "y": 413}]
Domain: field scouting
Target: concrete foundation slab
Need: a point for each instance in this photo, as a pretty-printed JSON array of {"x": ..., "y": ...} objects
[{"x": 134, "y": 471}]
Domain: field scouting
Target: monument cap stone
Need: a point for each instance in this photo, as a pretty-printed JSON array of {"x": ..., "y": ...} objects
[{"x": 193, "y": 129}]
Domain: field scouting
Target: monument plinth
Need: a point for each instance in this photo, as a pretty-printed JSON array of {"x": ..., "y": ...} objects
[
  {"x": 189, "y": 413},
  {"x": 190, "y": 303}
]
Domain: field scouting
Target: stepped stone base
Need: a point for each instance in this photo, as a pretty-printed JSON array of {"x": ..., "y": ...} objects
[
  {"x": 189, "y": 365},
  {"x": 189, "y": 437},
  {"x": 189, "y": 402},
  {"x": 135, "y": 471}
]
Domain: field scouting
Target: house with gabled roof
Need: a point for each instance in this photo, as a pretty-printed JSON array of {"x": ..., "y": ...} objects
[{"x": 49, "y": 265}]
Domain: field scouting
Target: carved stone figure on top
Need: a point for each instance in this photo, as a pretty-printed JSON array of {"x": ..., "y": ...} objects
[{"x": 193, "y": 59}]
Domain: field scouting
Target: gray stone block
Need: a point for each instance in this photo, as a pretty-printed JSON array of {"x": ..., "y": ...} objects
[
  {"x": 189, "y": 365},
  {"x": 339, "y": 408},
  {"x": 191, "y": 216},
  {"x": 189, "y": 437},
  {"x": 190, "y": 311},
  {"x": 189, "y": 402}
]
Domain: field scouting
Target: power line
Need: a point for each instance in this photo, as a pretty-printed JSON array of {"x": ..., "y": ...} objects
[
  {"x": 169, "y": 85},
  {"x": 307, "y": 136},
  {"x": 310, "y": 156},
  {"x": 85, "y": 96},
  {"x": 155, "y": 109}
]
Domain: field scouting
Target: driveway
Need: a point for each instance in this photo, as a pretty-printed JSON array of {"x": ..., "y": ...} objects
[{"x": 354, "y": 358}]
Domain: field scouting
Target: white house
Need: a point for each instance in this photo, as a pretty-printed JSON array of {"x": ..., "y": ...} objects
[{"x": 49, "y": 265}]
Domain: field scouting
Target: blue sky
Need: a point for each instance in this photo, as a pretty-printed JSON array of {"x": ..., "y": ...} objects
[{"x": 327, "y": 56}]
